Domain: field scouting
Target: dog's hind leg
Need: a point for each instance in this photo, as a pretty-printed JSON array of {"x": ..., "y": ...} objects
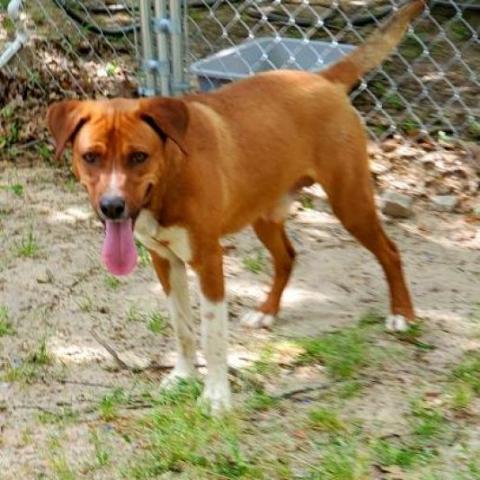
[
  {"x": 272, "y": 234},
  {"x": 351, "y": 197}
]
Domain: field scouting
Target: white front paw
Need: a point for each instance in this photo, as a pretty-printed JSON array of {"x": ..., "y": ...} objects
[
  {"x": 257, "y": 319},
  {"x": 396, "y": 323},
  {"x": 180, "y": 372},
  {"x": 217, "y": 397}
]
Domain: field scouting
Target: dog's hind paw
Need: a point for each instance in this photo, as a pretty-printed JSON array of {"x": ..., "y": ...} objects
[
  {"x": 396, "y": 323},
  {"x": 216, "y": 398},
  {"x": 256, "y": 319}
]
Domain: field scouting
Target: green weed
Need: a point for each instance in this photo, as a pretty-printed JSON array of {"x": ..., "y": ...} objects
[
  {"x": 102, "y": 455},
  {"x": 157, "y": 323},
  {"x": 111, "y": 282},
  {"x": 181, "y": 435},
  {"x": 28, "y": 246},
  {"x": 108, "y": 406},
  {"x": 343, "y": 353},
  {"x": 6, "y": 327},
  {"x": 261, "y": 401},
  {"x": 254, "y": 263},
  {"x": 62, "y": 416},
  {"x": 143, "y": 255},
  {"x": 134, "y": 314},
  {"x": 325, "y": 420},
  {"x": 467, "y": 372}
]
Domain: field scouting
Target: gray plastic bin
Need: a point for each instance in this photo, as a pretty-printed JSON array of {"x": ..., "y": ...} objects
[{"x": 263, "y": 54}]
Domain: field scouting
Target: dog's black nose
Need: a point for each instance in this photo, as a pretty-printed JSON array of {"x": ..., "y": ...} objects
[{"x": 113, "y": 207}]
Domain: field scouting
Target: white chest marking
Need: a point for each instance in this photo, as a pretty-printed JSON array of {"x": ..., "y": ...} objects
[{"x": 162, "y": 240}]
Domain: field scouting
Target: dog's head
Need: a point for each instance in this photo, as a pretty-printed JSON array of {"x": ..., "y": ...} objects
[
  {"x": 119, "y": 152},
  {"x": 118, "y": 147}
]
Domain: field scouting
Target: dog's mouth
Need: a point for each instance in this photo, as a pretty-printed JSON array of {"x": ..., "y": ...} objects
[{"x": 119, "y": 252}]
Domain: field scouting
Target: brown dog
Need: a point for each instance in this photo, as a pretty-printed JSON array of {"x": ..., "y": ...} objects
[{"x": 187, "y": 171}]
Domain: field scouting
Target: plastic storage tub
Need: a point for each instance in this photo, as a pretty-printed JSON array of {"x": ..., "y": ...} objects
[{"x": 263, "y": 54}]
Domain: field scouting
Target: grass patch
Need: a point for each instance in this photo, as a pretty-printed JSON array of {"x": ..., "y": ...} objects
[
  {"x": 261, "y": 401},
  {"x": 29, "y": 369},
  {"x": 28, "y": 246},
  {"x": 157, "y": 323},
  {"x": 111, "y": 282},
  {"x": 428, "y": 429},
  {"x": 342, "y": 459},
  {"x": 134, "y": 314},
  {"x": 460, "y": 31},
  {"x": 265, "y": 364},
  {"x": 62, "y": 416},
  {"x": 109, "y": 404},
  {"x": 85, "y": 304},
  {"x": 102, "y": 455},
  {"x": 45, "y": 152},
  {"x": 468, "y": 371},
  {"x": 16, "y": 189},
  {"x": 474, "y": 128},
  {"x": 462, "y": 396},
  {"x": 410, "y": 126},
  {"x": 343, "y": 353},
  {"x": 465, "y": 381},
  {"x": 6, "y": 327},
  {"x": 181, "y": 438},
  {"x": 325, "y": 420},
  {"x": 143, "y": 256},
  {"x": 254, "y": 263},
  {"x": 413, "y": 335},
  {"x": 388, "y": 452},
  {"x": 393, "y": 100},
  {"x": 40, "y": 355}
]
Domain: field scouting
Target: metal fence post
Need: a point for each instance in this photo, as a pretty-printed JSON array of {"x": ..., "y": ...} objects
[
  {"x": 162, "y": 28},
  {"x": 21, "y": 36},
  {"x": 178, "y": 84},
  {"x": 150, "y": 64}
]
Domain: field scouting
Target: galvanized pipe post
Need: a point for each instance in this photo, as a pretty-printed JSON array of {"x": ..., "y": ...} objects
[
  {"x": 178, "y": 84},
  {"x": 162, "y": 28},
  {"x": 149, "y": 61}
]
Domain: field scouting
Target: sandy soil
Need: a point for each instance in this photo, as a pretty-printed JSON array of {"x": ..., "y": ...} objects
[{"x": 62, "y": 294}]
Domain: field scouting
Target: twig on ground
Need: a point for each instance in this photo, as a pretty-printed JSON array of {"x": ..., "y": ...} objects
[
  {"x": 110, "y": 350},
  {"x": 309, "y": 388}
]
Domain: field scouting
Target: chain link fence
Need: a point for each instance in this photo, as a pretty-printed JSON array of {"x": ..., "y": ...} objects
[
  {"x": 429, "y": 88},
  {"x": 56, "y": 49}
]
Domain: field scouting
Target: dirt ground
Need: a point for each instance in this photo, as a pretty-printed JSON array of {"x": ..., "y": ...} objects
[
  {"x": 327, "y": 394},
  {"x": 59, "y": 305}
]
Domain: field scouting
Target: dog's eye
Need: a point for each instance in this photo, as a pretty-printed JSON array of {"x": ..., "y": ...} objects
[
  {"x": 136, "y": 158},
  {"x": 91, "y": 157}
]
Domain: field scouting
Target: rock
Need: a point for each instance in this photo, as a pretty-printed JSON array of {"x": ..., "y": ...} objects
[
  {"x": 397, "y": 204},
  {"x": 444, "y": 203},
  {"x": 389, "y": 145},
  {"x": 378, "y": 168}
]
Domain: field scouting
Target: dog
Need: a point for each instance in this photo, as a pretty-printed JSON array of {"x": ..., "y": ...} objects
[{"x": 180, "y": 173}]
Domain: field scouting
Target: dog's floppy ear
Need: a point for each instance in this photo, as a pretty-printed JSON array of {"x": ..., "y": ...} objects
[
  {"x": 168, "y": 117},
  {"x": 64, "y": 120}
]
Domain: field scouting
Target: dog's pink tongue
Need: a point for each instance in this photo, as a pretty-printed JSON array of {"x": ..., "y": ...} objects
[{"x": 119, "y": 252}]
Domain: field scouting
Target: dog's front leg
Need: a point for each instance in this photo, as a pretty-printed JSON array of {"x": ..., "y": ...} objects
[
  {"x": 172, "y": 274},
  {"x": 214, "y": 317},
  {"x": 173, "y": 277}
]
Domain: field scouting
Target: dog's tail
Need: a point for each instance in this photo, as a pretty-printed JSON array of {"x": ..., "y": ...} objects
[{"x": 375, "y": 49}]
